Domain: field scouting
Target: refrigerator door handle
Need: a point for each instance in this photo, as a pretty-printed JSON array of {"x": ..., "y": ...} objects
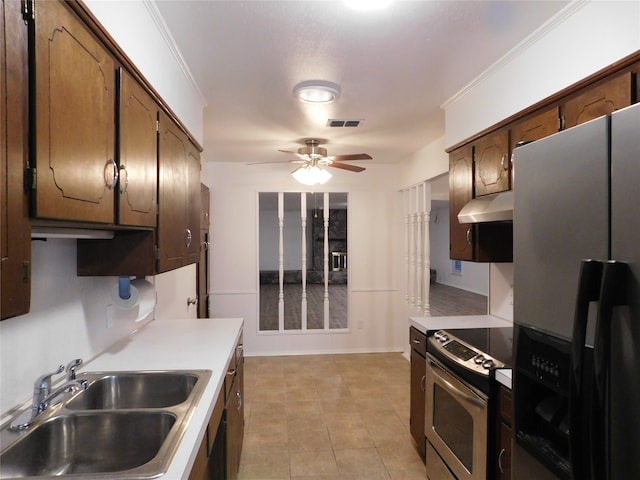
[
  {"x": 612, "y": 294},
  {"x": 589, "y": 283}
]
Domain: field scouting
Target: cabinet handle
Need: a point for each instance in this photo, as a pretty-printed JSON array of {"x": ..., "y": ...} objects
[
  {"x": 124, "y": 175},
  {"x": 416, "y": 341},
  {"x": 469, "y": 236},
  {"x": 239, "y": 395},
  {"x": 205, "y": 246},
  {"x": 422, "y": 383},
  {"x": 500, "y": 460},
  {"x": 188, "y": 237},
  {"x": 110, "y": 170},
  {"x": 231, "y": 373},
  {"x": 504, "y": 164}
]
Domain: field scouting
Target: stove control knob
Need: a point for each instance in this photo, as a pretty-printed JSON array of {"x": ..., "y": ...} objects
[
  {"x": 444, "y": 338},
  {"x": 438, "y": 335},
  {"x": 488, "y": 363},
  {"x": 479, "y": 359}
]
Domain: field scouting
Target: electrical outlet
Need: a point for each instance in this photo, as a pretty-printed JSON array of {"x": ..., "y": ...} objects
[{"x": 109, "y": 316}]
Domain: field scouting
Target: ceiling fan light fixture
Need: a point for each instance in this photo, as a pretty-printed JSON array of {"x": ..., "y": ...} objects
[
  {"x": 317, "y": 92},
  {"x": 311, "y": 175}
]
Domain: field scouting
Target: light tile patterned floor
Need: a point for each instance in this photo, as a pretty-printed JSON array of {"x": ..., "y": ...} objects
[{"x": 330, "y": 417}]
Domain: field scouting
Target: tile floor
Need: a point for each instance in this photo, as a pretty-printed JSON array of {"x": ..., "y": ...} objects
[{"x": 332, "y": 417}]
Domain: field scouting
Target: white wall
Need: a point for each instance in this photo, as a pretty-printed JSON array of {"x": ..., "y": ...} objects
[
  {"x": 475, "y": 276},
  {"x": 68, "y": 314},
  {"x": 139, "y": 29},
  {"x": 374, "y": 256},
  {"x": 580, "y": 40},
  {"x": 68, "y": 319}
]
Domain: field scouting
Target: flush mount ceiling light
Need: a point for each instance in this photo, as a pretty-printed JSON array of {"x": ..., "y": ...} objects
[
  {"x": 311, "y": 174},
  {"x": 316, "y": 91}
]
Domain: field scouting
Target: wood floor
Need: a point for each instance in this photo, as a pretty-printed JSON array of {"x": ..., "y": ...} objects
[{"x": 445, "y": 300}]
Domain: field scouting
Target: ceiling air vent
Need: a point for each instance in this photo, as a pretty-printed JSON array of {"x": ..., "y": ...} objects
[{"x": 335, "y": 122}]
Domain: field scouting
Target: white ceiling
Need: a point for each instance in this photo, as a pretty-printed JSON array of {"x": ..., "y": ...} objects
[{"x": 396, "y": 68}]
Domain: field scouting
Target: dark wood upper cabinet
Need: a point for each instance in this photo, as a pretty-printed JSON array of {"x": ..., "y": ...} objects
[
  {"x": 492, "y": 163},
  {"x": 460, "y": 193},
  {"x": 179, "y": 198},
  {"x": 15, "y": 230},
  {"x": 138, "y": 154},
  {"x": 600, "y": 99},
  {"x": 531, "y": 128},
  {"x": 74, "y": 95},
  {"x": 203, "y": 263}
]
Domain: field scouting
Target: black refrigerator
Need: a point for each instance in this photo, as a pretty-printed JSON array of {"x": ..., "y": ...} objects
[{"x": 576, "y": 377}]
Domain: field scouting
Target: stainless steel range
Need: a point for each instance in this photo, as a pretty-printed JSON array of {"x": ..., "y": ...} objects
[{"x": 461, "y": 398}]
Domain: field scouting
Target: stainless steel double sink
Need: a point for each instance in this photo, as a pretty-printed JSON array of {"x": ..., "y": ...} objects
[{"x": 124, "y": 425}]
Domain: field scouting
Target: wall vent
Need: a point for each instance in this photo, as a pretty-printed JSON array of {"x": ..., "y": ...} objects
[{"x": 336, "y": 122}]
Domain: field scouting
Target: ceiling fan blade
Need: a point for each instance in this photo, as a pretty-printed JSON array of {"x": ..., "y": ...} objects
[
  {"x": 346, "y": 166},
  {"x": 279, "y": 161},
  {"x": 288, "y": 151},
  {"x": 352, "y": 156}
]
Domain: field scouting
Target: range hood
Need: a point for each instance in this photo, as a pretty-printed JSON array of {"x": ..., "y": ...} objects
[{"x": 497, "y": 207}]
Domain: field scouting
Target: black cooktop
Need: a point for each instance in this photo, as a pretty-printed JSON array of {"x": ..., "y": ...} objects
[
  {"x": 460, "y": 359},
  {"x": 497, "y": 342}
]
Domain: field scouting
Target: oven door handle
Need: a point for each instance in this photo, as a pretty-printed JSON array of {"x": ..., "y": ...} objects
[{"x": 442, "y": 375}]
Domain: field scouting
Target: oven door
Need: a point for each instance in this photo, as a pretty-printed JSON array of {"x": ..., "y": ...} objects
[{"x": 456, "y": 423}]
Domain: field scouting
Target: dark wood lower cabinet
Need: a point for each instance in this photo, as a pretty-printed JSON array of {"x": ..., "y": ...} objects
[
  {"x": 234, "y": 414},
  {"x": 504, "y": 435},
  {"x": 417, "y": 397}
]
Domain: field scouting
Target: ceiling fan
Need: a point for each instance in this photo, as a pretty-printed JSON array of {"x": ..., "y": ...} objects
[{"x": 314, "y": 155}]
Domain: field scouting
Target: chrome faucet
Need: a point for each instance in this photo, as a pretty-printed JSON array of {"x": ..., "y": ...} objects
[
  {"x": 41, "y": 390},
  {"x": 72, "y": 367},
  {"x": 66, "y": 387},
  {"x": 43, "y": 396}
]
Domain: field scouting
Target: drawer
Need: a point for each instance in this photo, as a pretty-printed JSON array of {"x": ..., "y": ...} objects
[
  {"x": 418, "y": 341},
  {"x": 506, "y": 404}
]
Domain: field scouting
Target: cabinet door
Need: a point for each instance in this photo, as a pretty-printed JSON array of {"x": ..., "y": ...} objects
[
  {"x": 460, "y": 193},
  {"x": 417, "y": 413},
  {"x": 533, "y": 128},
  {"x": 138, "y": 154},
  {"x": 74, "y": 99},
  {"x": 491, "y": 163},
  {"x": 15, "y": 230},
  {"x": 504, "y": 455},
  {"x": 179, "y": 194},
  {"x": 235, "y": 424},
  {"x": 194, "y": 202},
  {"x": 598, "y": 100}
]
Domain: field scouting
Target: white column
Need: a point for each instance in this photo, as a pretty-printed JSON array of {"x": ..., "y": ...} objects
[
  {"x": 426, "y": 306},
  {"x": 325, "y": 216},
  {"x": 281, "y": 261},
  {"x": 412, "y": 249},
  {"x": 303, "y": 218},
  {"x": 407, "y": 229},
  {"x": 419, "y": 256}
]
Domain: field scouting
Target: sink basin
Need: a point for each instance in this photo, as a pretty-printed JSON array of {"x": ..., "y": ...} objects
[
  {"x": 125, "y": 425},
  {"x": 134, "y": 390},
  {"x": 88, "y": 443}
]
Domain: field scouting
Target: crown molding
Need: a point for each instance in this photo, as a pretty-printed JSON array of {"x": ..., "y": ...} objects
[
  {"x": 158, "y": 19},
  {"x": 518, "y": 50}
]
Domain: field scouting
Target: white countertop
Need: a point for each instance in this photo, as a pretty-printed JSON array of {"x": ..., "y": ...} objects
[
  {"x": 463, "y": 321},
  {"x": 503, "y": 375},
  {"x": 190, "y": 344}
]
